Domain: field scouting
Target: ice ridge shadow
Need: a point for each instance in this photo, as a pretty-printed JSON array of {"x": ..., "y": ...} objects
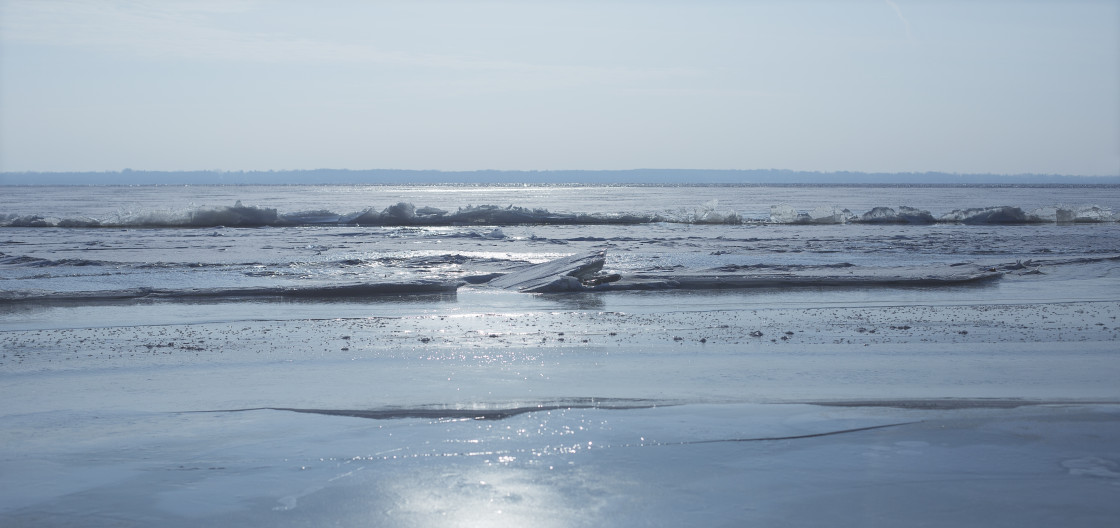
[
  {"x": 946, "y": 404},
  {"x": 437, "y": 412},
  {"x": 503, "y": 413},
  {"x": 442, "y": 413}
]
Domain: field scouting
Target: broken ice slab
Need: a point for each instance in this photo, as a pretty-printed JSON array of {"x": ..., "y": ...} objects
[{"x": 560, "y": 275}]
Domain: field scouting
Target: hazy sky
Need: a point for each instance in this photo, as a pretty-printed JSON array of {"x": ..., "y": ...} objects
[{"x": 878, "y": 86}]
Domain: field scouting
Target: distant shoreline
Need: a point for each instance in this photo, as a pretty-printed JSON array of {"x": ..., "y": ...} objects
[{"x": 555, "y": 177}]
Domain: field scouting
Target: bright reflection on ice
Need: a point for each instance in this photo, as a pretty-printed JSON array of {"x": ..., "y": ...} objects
[{"x": 496, "y": 497}]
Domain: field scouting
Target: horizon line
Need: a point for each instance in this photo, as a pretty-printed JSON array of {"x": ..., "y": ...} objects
[
  {"x": 128, "y": 170},
  {"x": 324, "y": 176}
]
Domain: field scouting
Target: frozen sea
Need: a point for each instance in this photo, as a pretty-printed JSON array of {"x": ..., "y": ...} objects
[{"x": 564, "y": 355}]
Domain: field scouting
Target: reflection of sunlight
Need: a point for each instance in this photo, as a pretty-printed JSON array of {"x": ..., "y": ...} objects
[{"x": 495, "y": 496}]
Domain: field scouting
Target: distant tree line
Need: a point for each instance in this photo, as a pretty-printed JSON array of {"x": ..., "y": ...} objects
[{"x": 634, "y": 176}]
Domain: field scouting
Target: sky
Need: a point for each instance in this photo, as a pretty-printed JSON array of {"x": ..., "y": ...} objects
[{"x": 1001, "y": 87}]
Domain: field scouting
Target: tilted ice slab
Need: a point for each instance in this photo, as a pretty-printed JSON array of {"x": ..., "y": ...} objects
[
  {"x": 307, "y": 292},
  {"x": 854, "y": 276},
  {"x": 562, "y": 274},
  {"x": 582, "y": 272}
]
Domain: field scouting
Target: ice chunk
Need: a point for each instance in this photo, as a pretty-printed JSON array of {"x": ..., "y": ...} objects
[
  {"x": 904, "y": 215},
  {"x": 1069, "y": 214},
  {"x": 785, "y": 214},
  {"x": 988, "y": 215},
  {"x": 709, "y": 213},
  {"x": 430, "y": 211},
  {"x": 829, "y": 215},
  {"x": 401, "y": 212},
  {"x": 560, "y": 275},
  {"x": 1091, "y": 213},
  {"x": 320, "y": 216}
]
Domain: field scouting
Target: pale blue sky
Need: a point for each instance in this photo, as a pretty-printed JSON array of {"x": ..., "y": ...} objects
[{"x": 877, "y": 86}]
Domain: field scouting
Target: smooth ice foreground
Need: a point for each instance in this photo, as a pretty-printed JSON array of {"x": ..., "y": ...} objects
[
  {"x": 570, "y": 411},
  {"x": 699, "y": 464}
]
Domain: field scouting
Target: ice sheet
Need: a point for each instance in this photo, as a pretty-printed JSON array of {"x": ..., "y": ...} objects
[
  {"x": 983, "y": 404},
  {"x": 729, "y": 464},
  {"x": 981, "y": 414}
]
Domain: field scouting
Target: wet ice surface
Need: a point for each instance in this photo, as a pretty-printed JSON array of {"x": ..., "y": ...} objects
[
  {"x": 664, "y": 466},
  {"x": 656, "y": 409}
]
